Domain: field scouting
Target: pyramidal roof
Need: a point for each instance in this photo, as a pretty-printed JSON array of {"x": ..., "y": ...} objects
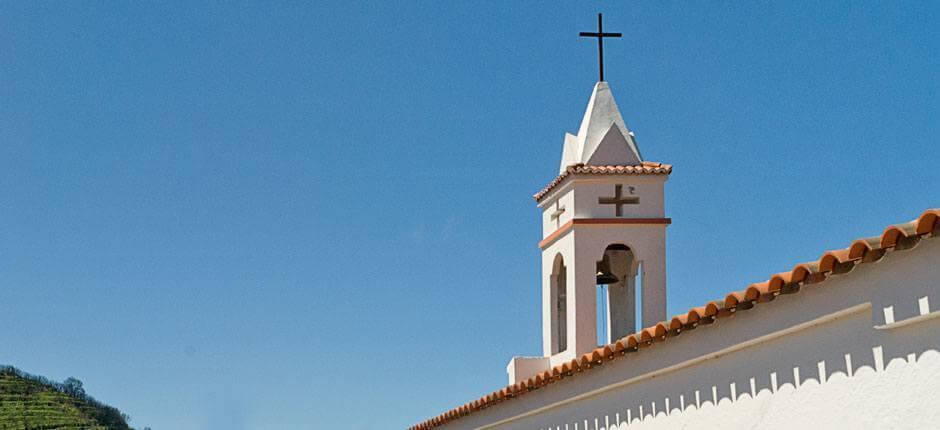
[{"x": 603, "y": 138}]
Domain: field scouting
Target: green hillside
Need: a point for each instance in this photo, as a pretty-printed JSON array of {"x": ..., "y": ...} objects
[{"x": 30, "y": 402}]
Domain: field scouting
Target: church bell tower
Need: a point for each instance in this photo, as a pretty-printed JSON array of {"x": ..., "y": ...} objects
[{"x": 603, "y": 234}]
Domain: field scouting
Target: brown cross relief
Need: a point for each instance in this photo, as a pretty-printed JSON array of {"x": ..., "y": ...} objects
[
  {"x": 556, "y": 215},
  {"x": 619, "y": 199}
]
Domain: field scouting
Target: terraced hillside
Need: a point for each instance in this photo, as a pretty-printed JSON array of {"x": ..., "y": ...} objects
[{"x": 33, "y": 403}]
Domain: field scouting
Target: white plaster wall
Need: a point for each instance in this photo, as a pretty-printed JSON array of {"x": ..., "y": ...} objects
[
  {"x": 584, "y": 202},
  {"x": 821, "y": 358},
  {"x": 522, "y": 368},
  {"x": 648, "y": 188}
]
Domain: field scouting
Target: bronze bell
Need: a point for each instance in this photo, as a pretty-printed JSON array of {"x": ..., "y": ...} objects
[{"x": 604, "y": 275}]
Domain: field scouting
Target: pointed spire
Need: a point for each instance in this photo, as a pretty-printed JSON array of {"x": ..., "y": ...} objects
[{"x": 603, "y": 138}]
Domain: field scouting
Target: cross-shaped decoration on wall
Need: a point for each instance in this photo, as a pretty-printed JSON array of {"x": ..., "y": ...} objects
[
  {"x": 619, "y": 200},
  {"x": 556, "y": 215}
]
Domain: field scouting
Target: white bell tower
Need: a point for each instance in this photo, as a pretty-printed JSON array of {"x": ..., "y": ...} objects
[{"x": 603, "y": 226}]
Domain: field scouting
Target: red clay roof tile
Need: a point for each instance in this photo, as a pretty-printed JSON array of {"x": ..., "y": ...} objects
[
  {"x": 834, "y": 258},
  {"x": 928, "y": 222}
]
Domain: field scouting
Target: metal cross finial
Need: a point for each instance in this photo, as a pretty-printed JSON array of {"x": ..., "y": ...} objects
[{"x": 600, "y": 35}]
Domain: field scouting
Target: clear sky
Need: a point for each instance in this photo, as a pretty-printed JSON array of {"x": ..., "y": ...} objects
[{"x": 319, "y": 215}]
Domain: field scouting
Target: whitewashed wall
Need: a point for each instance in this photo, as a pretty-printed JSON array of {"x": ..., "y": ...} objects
[
  {"x": 649, "y": 189},
  {"x": 828, "y": 356}
]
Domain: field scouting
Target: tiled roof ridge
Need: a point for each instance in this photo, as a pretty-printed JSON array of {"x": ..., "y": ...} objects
[
  {"x": 644, "y": 168},
  {"x": 894, "y": 237}
]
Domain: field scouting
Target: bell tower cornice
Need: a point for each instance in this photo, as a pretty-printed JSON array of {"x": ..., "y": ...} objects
[{"x": 588, "y": 171}]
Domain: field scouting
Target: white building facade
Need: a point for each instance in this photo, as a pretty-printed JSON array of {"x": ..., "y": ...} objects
[{"x": 851, "y": 340}]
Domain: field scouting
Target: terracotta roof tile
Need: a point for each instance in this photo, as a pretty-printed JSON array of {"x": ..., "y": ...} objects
[
  {"x": 646, "y": 168},
  {"x": 860, "y": 251},
  {"x": 898, "y": 232},
  {"x": 833, "y": 259},
  {"x": 711, "y": 310},
  {"x": 929, "y": 222}
]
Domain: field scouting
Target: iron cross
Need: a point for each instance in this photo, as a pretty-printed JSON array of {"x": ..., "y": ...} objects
[
  {"x": 619, "y": 200},
  {"x": 600, "y": 35}
]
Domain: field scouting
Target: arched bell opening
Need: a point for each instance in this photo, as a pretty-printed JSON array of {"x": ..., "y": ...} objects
[
  {"x": 617, "y": 293},
  {"x": 559, "y": 286}
]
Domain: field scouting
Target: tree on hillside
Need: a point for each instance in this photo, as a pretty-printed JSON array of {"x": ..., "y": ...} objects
[{"x": 73, "y": 387}]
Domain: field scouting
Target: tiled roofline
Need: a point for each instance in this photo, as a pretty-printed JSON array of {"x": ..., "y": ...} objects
[
  {"x": 895, "y": 237},
  {"x": 645, "y": 168}
]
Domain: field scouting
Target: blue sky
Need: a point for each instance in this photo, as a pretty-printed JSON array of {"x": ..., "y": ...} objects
[{"x": 313, "y": 215}]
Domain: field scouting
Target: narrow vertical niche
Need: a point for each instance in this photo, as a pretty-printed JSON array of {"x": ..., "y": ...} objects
[
  {"x": 562, "y": 307},
  {"x": 559, "y": 279},
  {"x": 638, "y": 281}
]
